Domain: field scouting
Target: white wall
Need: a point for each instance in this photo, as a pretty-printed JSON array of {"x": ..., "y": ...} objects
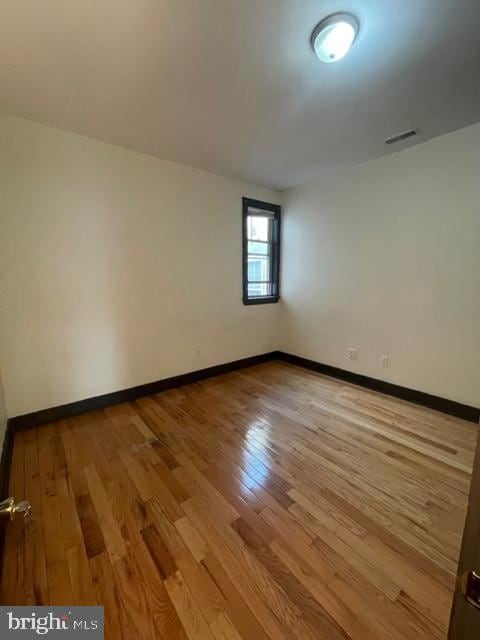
[
  {"x": 117, "y": 268},
  {"x": 386, "y": 258}
]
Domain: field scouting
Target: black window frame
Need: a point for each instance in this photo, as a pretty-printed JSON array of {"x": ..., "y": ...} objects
[{"x": 276, "y": 210}]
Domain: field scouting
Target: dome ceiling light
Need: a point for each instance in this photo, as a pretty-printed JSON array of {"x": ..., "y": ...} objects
[{"x": 332, "y": 37}]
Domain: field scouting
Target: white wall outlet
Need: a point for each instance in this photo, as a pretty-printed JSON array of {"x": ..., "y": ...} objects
[
  {"x": 385, "y": 361},
  {"x": 352, "y": 354}
]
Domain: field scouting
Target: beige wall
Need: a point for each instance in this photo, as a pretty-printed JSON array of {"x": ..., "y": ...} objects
[
  {"x": 117, "y": 268},
  {"x": 386, "y": 259}
]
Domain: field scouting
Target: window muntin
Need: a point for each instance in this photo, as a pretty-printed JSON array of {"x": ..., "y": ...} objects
[{"x": 260, "y": 251}]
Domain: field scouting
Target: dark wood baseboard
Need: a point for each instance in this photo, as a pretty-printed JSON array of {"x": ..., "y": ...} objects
[
  {"x": 472, "y": 414},
  {"x": 53, "y": 414}
]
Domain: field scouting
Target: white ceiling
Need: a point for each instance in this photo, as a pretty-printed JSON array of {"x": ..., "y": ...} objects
[{"x": 233, "y": 87}]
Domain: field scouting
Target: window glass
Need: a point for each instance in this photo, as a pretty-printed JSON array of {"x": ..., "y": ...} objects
[{"x": 261, "y": 252}]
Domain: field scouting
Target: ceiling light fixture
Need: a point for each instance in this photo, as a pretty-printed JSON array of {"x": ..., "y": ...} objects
[{"x": 332, "y": 37}]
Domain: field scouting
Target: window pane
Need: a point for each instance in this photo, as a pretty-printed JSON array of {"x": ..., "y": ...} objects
[
  {"x": 258, "y": 248},
  {"x": 258, "y": 227},
  {"x": 260, "y": 251},
  {"x": 258, "y": 269},
  {"x": 256, "y": 290}
]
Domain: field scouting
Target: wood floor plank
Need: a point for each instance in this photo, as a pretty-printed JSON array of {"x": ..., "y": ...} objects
[
  {"x": 311, "y": 610},
  {"x": 223, "y": 628},
  {"x": 35, "y": 567},
  {"x": 201, "y": 585},
  {"x": 58, "y": 575},
  {"x": 271, "y": 503},
  {"x": 117, "y": 624},
  {"x": 240, "y": 613},
  {"x": 83, "y": 591},
  {"x": 192, "y": 619},
  {"x": 159, "y": 552},
  {"x": 165, "y": 618},
  {"x": 111, "y": 534},
  {"x": 136, "y": 598},
  {"x": 92, "y": 534},
  {"x": 192, "y": 538}
]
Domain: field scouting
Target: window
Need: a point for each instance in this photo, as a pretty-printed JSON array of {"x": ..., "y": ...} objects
[{"x": 261, "y": 251}]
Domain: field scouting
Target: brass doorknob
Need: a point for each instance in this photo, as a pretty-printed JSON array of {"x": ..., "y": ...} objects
[{"x": 11, "y": 509}]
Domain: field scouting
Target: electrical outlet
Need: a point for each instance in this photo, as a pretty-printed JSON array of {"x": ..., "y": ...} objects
[
  {"x": 352, "y": 354},
  {"x": 384, "y": 361}
]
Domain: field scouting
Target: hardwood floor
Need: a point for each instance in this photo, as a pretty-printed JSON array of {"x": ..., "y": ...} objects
[{"x": 267, "y": 503}]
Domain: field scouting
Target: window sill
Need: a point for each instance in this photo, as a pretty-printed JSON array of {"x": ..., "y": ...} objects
[{"x": 264, "y": 300}]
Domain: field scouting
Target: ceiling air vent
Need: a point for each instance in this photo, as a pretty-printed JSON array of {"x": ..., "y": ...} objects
[{"x": 401, "y": 136}]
